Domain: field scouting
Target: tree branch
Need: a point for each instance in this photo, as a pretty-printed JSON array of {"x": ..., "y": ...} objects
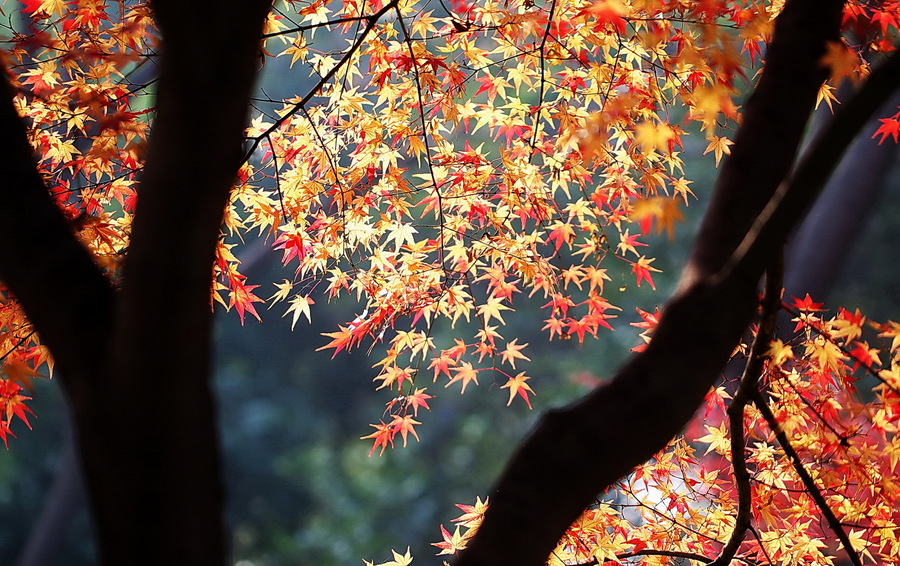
[
  {"x": 797, "y": 193},
  {"x": 581, "y": 450},
  {"x": 51, "y": 273},
  {"x": 747, "y": 391},
  {"x": 811, "y": 488}
]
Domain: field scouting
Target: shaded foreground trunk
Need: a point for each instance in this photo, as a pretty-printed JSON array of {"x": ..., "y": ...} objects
[
  {"x": 578, "y": 451},
  {"x": 135, "y": 361}
]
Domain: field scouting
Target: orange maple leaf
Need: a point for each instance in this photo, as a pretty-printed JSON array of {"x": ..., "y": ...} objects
[
  {"x": 404, "y": 425},
  {"x": 383, "y": 435},
  {"x": 517, "y": 386},
  {"x": 466, "y": 373}
]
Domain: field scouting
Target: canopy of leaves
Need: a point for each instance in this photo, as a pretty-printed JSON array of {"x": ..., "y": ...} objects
[{"x": 447, "y": 160}]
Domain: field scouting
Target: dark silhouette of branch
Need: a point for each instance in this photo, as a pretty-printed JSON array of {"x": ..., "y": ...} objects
[
  {"x": 747, "y": 391},
  {"x": 669, "y": 553},
  {"x": 52, "y": 274},
  {"x": 818, "y": 249},
  {"x": 137, "y": 375},
  {"x": 811, "y": 488},
  {"x": 580, "y": 450}
]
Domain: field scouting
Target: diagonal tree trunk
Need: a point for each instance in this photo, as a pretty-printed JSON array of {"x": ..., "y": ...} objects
[
  {"x": 580, "y": 450},
  {"x": 817, "y": 250}
]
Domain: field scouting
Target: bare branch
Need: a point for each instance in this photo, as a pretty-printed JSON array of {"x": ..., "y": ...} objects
[
  {"x": 808, "y": 482},
  {"x": 747, "y": 391}
]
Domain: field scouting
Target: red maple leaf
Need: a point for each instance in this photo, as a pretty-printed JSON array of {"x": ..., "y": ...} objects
[{"x": 889, "y": 127}]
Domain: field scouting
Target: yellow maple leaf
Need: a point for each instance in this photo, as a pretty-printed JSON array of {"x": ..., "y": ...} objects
[
  {"x": 717, "y": 439},
  {"x": 652, "y": 136},
  {"x": 720, "y": 146},
  {"x": 779, "y": 352},
  {"x": 492, "y": 309}
]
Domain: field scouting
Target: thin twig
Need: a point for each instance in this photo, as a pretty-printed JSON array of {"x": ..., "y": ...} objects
[
  {"x": 807, "y": 480},
  {"x": 370, "y": 20},
  {"x": 747, "y": 391}
]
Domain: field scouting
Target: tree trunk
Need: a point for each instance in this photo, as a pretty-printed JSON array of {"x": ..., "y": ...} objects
[
  {"x": 579, "y": 451},
  {"x": 135, "y": 362}
]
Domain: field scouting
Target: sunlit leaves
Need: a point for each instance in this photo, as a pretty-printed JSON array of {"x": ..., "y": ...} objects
[
  {"x": 719, "y": 146},
  {"x": 485, "y": 158},
  {"x": 398, "y": 559},
  {"x": 12, "y": 405},
  {"x": 889, "y": 127},
  {"x": 441, "y": 169}
]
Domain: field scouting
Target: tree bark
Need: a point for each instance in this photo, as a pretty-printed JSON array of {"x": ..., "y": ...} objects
[
  {"x": 817, "y": 250},
  {"x": 135, "y": 363},
  {"x": 578, "y": 451}
]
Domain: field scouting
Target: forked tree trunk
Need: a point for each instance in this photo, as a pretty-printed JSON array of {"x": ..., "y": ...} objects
[{"x": 135, "y": 361}]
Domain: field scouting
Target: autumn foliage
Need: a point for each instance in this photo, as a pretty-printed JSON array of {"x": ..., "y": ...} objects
[{"x": 443, "y": 163}]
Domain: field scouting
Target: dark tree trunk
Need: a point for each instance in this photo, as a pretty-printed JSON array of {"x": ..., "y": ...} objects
[
  {"x": 817, "y": 250},
  {"x": 135, "y": 362},
  {"x": 577, "y": 452}
]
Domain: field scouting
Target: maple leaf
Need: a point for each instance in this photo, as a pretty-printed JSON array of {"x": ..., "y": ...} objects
[
  {"x": 293, "y": 247},
  {"x": 629, "y": 243},
  {"x": 841, "y": 60},
  {"x": 404, "y": 425},
  {"x": 517, "y": 386},
  {"x": 392, "y": 374},
  {"x": 383, "y": 435},
  {"x": 4, "y": 432},
  {"x": 284, "y": 289},
  {"x": 417, "y": 399},
  {"x": 718, "y": 439},
  {"x": 579, "y": 326},
  {"x": 641, "y": 268},
  {"x": 466, "y": 373},
  {"x": 561, "y": 234},
  {"x": 653, "y": 136},
  {"x": 668, "y": 216},
  {"x": 451, "y": 544},
  {"x": 442, "y": 364},
  {"x": 13, "y": 405},
  {"x": 889, "y": 127},
  {"x": 299, "y": 305},
  {"x": 491, "y": 309},
  {"x": 609, "y": 13},
  {"x": 556, "y": 326},
  {"x": 472, "y": 514},
  {"x": 779, "y": 352},
  {"x": 827, "y": 94},
  {"x": 512, "y": 352},
  {"x": 340, "y": 340},
  {"x": 241, "y": 297},
  {"x": 399, "y": 559},
  {"x": 806, "y": 304},
  {"x": 719, "y": 146}
]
